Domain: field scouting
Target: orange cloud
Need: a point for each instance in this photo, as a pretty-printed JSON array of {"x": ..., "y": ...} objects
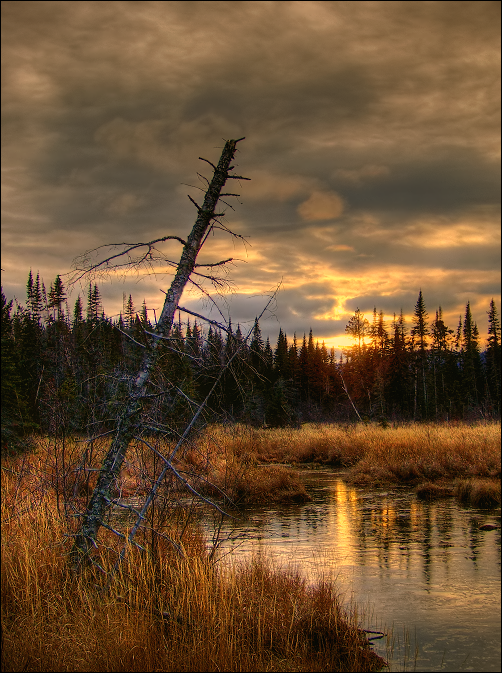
[
  {"x": 321, "y": 206},
  {"x": 340, "y": 248}
]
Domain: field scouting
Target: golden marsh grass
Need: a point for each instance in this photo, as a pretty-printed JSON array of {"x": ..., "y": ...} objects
[
  {"x": 159, "y": 613},
  {"x": 372, "y": 455}
]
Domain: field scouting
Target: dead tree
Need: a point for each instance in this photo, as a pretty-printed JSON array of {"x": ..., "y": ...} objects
[{"x": 130, "y": 411}]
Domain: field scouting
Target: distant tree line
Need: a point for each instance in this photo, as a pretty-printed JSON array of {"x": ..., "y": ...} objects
[{"x": 62, "y": 370}]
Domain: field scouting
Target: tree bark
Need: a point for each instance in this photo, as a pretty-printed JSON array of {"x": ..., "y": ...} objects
[{"x": 129, "y": 415}]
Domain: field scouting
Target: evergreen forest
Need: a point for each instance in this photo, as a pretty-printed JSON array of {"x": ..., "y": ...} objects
[{"x": 64, "y": 371}]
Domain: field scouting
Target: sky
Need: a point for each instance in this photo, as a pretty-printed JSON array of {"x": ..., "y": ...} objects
[{"x": 372, "y": 144}]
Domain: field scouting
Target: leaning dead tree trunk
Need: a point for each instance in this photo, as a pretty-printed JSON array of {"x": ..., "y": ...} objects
[{"x": 128, "y": 417}]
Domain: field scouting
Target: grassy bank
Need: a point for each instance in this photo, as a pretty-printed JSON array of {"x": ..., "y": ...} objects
[
  {"x": 167, "y": 614},
  {"x": 445, "y": 455}
]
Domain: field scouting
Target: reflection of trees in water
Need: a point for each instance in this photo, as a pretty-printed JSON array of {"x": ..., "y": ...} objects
[
  {"x": 390, "y": 529},
  {"x": 396, "y": 528}
]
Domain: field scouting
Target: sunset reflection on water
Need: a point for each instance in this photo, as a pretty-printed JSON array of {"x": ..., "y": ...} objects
[{"x": 416, "y": 567}]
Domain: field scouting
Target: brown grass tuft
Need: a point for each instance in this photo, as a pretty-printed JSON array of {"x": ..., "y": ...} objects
[
  {"x": 432, "y": 491},
  {"x": 479, "y": 492}
]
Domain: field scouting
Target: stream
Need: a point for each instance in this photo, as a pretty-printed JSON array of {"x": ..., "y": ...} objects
[{"x": 424, "y": 573}]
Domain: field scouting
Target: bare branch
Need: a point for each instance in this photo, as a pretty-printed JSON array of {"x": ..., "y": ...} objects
[
  {"x": 228, "y": 204},
  {"x": 194, "y": 203},
  {"x": 202, "y": 177},
  {"x": 208, "y": 162},
  {"x": 83, "y": 267},
  {"x": 225, "y": 261},
  {"x": 119, "y": 534},
  {"x": 208, "y": 296},
  {"x": 130, "y": 337},
  {"x": 197, "y": 315}
]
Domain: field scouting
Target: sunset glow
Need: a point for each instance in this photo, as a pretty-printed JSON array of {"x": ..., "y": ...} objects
[{"x": 372, "y": 144}]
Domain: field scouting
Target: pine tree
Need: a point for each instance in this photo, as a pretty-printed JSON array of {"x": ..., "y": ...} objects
[
  {"x": 493, "y": 356},
  {"x": 268, "y": 360},
  {"x": 303, "y": 367},
  {"x": 382, "y": 335},
  {"x": 420, "y": 331},
  {"x": 293, "y": 362},
  {"x": 57, "y": 297},
  {"x": 471, "y": 361},
  {"x": 78, "y": 312},
  {"x": 398, "y": 390},
  {"x": 94, "y": 306},
  {"x": 15, "y": 420},
  {"x": 358, "y": 327},
  {"x": 281, "y": 360},
  {"x": 30, "y": 347},
  {"x": 193, "y": 341},
  {"x": 144, "y": 316},
  {"x": 35, "y": 302},
  {"x": 440, "y": 333},
  {"x": 373, "y": 330},
  {"x": 443, "y": 363},
  {"x": 256, "y": 352},
  {"x": 458, "y": 335},
  {"x": 419, "y": 344},
  {"x": 29, "y": 289},
  {"x": 129, "y": 313}
]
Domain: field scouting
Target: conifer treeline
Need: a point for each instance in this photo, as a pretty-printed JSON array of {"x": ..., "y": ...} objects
[{"x": 65, "y": 371}]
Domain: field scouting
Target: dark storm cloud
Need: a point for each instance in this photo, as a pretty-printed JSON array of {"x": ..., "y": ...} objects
[
  {"x": 371, "y": 137},
  {"x": 449, "y": 179}
]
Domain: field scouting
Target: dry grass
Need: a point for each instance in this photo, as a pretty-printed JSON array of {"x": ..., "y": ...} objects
[
  {"x": 254, "y": 484},
  {"x": 166, "y": 614},
  {"x": 479, "y": 492},
  {"x": 249, "y": 464},
  {"x": 432, "y": 491},
  {"x": 375, "y": 455}
]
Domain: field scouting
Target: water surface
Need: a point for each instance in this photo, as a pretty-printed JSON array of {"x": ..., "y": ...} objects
[{"x": 423, "y": 572}]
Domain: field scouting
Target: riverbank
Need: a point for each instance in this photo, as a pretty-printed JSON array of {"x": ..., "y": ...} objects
[
  {"x": 160, "y": 612},
  {"x": 440, "y": 459}
]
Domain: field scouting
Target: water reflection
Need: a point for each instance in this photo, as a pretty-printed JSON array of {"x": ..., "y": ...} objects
[{"x": 426, "y": 567}]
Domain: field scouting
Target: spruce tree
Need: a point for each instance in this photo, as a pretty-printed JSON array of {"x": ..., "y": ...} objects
[
  {"x": 78, "y": 312},
  {"x": 358, "y": 327},
  {"x": 35, "y": 301},
  {"x": 303, "y": 361},
  {"x": 293, "y": 363},
  {"x": 57, "y": 297},
  {"x": 281, "y": 360},
  {"x": 144, "y": 316},
  {"x": 15, "y": 418},
  {"x": 471, "y": 361},
  {"x": 420, "y": 331},
  {"x": 493, "y": 356},
  {"x": 398, "y": 390},
  {"x": 443, "y": 365},
  {"x": 382, "y": 335},
  {"x": 94, "y": 306},
  {"x": 268, "y": 360},
  {"x": 129, "y": 313},
  {"x": 419, "y": 334},
  {"x": 256, "y": 352}
]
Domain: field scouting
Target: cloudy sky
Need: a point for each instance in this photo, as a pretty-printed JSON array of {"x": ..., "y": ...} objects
[{"x": 372, "y": 143}]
